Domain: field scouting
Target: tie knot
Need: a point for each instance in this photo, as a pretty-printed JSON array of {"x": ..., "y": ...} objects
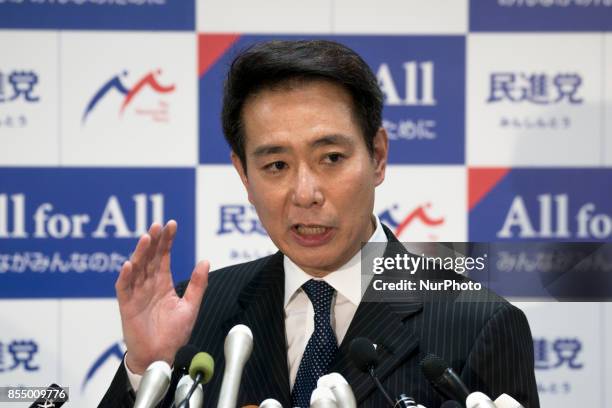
[{"x": 320, "y": 294}]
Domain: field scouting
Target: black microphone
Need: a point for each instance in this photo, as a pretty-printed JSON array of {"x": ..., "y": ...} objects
[
  {"x": 443, "y": 379},
  {"x": 450, "y": 404},
  {"x": 57, "y": 396},
  {"x": 364, "y": 356},
  {"x": 183, "y": 358}
]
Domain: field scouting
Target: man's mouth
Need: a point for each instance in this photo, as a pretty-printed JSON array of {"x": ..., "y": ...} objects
[
  {"x": 310, "y": 229},
  {"x": 311, "y": 235}
]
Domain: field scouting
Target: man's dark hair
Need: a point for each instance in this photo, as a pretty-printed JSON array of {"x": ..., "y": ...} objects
[{"x": 271, "y": 64}]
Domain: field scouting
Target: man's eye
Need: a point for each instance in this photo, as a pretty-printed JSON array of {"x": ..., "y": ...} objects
[
  {"x": 276, "y": 166},
  {"x": 334, "y": 157}
]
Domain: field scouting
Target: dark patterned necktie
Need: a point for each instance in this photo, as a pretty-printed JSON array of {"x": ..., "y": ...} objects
[{"x": 322, "y": 346}]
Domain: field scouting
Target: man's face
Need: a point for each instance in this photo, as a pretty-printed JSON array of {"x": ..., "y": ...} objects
[{"x": 310, "y": 175}]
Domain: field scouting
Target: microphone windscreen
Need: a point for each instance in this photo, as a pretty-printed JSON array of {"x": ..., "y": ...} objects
[
  {"x": 154, "y": 384},
  {"x": 433, "y": 367},
  {"x": 363, "y": 354},
  {"x": 270, "y": 403},
  {"x": 340, "y": 388},
  {"x": 184, "y": 355},
  {"x": 322, "y": 394},
  {"x": 330, "y": 380},
  {"x": 479, "y": 400},
  {"x": 450, "y": 404},
  {"x": 506, "y": 401},
  {"x": 202, "y": 362}
]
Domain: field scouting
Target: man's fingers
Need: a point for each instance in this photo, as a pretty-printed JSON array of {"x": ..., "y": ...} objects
[
  {"x": 197, "y": 283},
  {"x": 170, "y": 228},
  {"x": 165, "y": 245},
  {"x": 148, "y": 258},
  {"x": 138, "y": 256},
  {"x": 155, "y": 231},
  {"x": 125, "y": 281}
]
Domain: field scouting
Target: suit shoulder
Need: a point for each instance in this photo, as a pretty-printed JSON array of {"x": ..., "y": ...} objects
[
  {"x": 453, "y": 328},
  {"x": 228, "y": 277},
  {"x": 470, "y": 311},
  {"x": 242, "y": 272},
  {"x": 221, "y": 301}
]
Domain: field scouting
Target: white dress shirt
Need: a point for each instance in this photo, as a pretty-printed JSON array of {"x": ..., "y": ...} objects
[{"x": 299, "y": 313}]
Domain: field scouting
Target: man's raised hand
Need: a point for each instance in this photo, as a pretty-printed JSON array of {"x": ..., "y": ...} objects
[{"x": 155, "y": 321}]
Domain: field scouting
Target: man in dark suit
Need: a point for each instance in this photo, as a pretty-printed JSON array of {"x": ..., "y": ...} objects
[{"x": 303, "y": 119}]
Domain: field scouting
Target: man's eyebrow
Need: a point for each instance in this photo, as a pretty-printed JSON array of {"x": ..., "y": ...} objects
[
  {"x": 328, "y": 140},
  {"x": 268, "y": 149},
  {"x": 335, "y": 139}
]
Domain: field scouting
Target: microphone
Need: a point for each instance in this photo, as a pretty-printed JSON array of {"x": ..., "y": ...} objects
[
  {"x": 363, "y": 354},
  {"x": 405, "y": 402},
  {"x": 443, "y": 378},
  {"x": 201, "y": 370},
  {"x": 323, "y": 397},
  {"x": 154, "y": 385},
  {"x": 270, "y": 403},
  {"x": 237, "y": 350},
  {"x": 340, "y": 388},
  {"x": 479, "y": 400},
  {"x": 55, "y": 399},
  {"x": 450, "y": 404},
  {"x": 182, "y": 391},
  {"x": 506, "y": 401}
]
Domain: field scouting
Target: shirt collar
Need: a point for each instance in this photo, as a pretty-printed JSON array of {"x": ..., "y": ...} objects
[{"x": 346, "y": 280}]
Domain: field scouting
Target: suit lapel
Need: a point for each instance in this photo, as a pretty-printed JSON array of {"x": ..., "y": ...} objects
[
  {"x": 261, "y": 301},
  {"x": 383, "y": 323}
]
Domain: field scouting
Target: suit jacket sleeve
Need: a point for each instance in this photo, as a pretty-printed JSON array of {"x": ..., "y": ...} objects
[
  {"x": 502, "y": 360},
  {"x": 119, "y": 394}
]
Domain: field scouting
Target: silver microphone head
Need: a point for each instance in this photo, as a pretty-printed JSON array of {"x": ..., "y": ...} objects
[
  {"x": 270, "y": 403},
  {"x": 237, "y": 350},
  {"x": 182, "y": 389},
  {"x": 323, "y": 397},
  {"x": 238, "y": 344},
  {"x": 340, "y": 388},
  {"x": 506, "y": 401},
  {"x": 478, "y": 400},
  {"x": 154, "y": 385}
]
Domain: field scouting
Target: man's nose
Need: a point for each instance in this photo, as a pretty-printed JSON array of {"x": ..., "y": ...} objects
[{"x": 307, "y": 189}]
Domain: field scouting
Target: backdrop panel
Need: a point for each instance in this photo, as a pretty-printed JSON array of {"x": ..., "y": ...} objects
[{"x": 499, "y": 114}]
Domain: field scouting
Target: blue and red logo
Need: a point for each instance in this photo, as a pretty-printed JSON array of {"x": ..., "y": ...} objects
[
  {"x": 148, "y": 81},
  {"x": 420, "y": 214}
]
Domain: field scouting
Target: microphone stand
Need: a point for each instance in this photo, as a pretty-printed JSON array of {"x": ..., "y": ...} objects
[
  {"x": 380, "y": 386},
  {"x": 185, "y": 402}
]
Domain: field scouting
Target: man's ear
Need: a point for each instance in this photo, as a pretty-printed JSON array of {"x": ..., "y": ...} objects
[
  {"x": 381, "y": 150},
  {"x": 242, "y": 173}
]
